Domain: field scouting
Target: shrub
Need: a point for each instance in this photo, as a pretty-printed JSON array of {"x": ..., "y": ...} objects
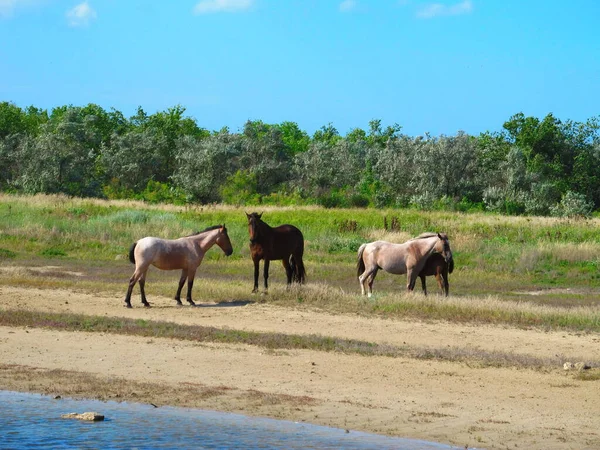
[
  {"x": 5, "y": 254},
  {"x": 573, "y": 204},
  {"x": 53, "y": 252}
]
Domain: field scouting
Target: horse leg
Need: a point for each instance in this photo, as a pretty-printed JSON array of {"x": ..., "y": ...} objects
[
  {"x": 411, "y": 276},
  {"x": 371, "y": 280},
  {"x": 297, "y": 265},
  {"x": 132, "y": 282},
  {"x": 438, "y": 277},
  {"x": 143, "y": 291},
  {"x": 364, "y": 278},
  {"x": 184, "y": 274},
  {"x": 288, "y": 270},
  {"x": 423, "y": 283},
  {"x": 266, "y": 274},
  {"x": 256, "y": 273},
  {"x": 191, "y": 275},
  {"x": 446, "y": 283},
  {"x": 138, "y": 275},
  {"x": 361, "y": 280}
]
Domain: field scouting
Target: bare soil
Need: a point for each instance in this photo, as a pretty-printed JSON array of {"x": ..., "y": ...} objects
[{"x": 454, "y": 403}]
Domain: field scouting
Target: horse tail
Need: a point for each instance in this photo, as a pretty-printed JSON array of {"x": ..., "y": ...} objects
[
  {"x": 451, "y": 265},
  {"x": 131, "y": 254},
  {"x": 360, "y": 264},
  {"x": 296, "y": 263},
  {"x": 298, "y": 269}
]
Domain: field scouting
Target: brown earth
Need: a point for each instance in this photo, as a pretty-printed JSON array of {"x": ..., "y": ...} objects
[{"x": 454, "y": 403}]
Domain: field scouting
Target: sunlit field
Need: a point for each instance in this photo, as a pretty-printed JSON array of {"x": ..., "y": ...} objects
[{"x": 524, "y": 271}]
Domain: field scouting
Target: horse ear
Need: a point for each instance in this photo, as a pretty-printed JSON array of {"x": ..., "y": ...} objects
[
  {"x": 247, "y": 215},
  {"x": 440, "y": 236},
  {"x": 260, "y": 215}
]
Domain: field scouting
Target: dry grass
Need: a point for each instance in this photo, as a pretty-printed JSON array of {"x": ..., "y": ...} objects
[
  {"x": 482, "y": 309},
  {"x": 61, "y": 200},
  {"x": 73, "y": 384},
  {"x": 397, "y": 237},
  {"x": 273, "y": 341}
]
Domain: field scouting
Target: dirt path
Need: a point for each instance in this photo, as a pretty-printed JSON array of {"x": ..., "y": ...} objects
[{"x": 439, "y": 401}]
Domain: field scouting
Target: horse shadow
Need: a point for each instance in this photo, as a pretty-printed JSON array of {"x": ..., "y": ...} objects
[
  {"x": 236, "y": 303},
  {"x": 233, "y": 304}
]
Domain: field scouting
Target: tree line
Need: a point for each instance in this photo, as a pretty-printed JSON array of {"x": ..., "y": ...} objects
[{"x": 531, "y": 166}]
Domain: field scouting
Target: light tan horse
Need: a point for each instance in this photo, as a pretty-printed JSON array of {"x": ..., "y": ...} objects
[
  {"x": 407, "y": 258},
  {"x": 185, "y": 253}
]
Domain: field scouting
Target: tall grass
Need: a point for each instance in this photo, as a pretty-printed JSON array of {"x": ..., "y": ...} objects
[{"x": 499, "y": 258}]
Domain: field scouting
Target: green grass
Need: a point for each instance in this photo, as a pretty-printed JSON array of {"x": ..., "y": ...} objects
[{"x": 515, "y": 260}]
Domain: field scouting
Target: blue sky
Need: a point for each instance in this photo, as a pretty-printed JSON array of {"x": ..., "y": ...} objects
[{"x": 430, "y": 66}]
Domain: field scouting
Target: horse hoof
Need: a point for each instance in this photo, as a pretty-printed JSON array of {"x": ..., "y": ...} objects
[
  {"x": 191, "y": 303},
  {"x": 128, "y": 305},
  {"x": 146, "y": 305}
]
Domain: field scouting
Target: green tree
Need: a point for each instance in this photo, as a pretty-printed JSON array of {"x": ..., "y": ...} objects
[
  {"x": 295, "y": 140},
  {"x": 170, "y": 125},
  {"x": 324, "y": 167},
  {"x": 378, "y": 136},
  {"x": 130, "y": 161},
  {"x": 203, "y": 165},
  {"x": 327, "y": 134},
  {"x": 545, "y": 146},
  {"x": 264, "y": 156},
  {"x": 14, "y": 120},
  {"x": 52, "y": 162},
  {"x": 446, "y": 167}
]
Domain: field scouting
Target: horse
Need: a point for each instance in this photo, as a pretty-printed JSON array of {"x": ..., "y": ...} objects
[
  {"x": 185, "y": 253},
  {"x": 407, "y": 258},
  {"x": 437, "y": 266},
  {"x": 285, "y": 243}
]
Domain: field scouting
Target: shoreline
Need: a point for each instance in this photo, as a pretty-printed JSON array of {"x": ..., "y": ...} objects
[{"x": 450, "y": 403}]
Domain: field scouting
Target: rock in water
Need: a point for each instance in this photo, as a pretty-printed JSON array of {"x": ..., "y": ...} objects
[{"x": 89, "y": 416}]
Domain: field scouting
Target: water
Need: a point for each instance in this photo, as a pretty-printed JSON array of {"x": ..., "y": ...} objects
[{"x": 34, "y": 421}]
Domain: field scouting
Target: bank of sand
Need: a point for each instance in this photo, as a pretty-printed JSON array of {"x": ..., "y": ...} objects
[{"x": 451, "y": 403}]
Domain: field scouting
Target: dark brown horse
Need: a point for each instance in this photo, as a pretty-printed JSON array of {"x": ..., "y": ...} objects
[
  {"x": 437, "y": 266},
  {"x": 185, "y": 253},
  {"x": 285, "y": 243}
]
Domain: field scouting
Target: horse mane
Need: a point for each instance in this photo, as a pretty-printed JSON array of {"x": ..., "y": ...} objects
[
  {"x": 214, "y": 227},
  {"x": 424, "y": 236},
  {"x": 428, "y": 235}
]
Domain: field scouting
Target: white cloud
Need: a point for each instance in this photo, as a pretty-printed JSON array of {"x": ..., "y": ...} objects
[
  {"x": 347, "y": 5},
  {"x": 81, "y": 15},
  {"x": 439, "y": 9},
  {"x": 215, "y": 6},
  {"x": 7, "y": 7}
]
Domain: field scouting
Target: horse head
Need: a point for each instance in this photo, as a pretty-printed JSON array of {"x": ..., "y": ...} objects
[
  {"x": 443, "y": 247},
  {"x": 254, "y": 221},
  {"x": 223, "y": 241}
]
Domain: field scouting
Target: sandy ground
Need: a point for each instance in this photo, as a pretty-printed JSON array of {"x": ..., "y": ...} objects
[{"x": 452, "y": 403}]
